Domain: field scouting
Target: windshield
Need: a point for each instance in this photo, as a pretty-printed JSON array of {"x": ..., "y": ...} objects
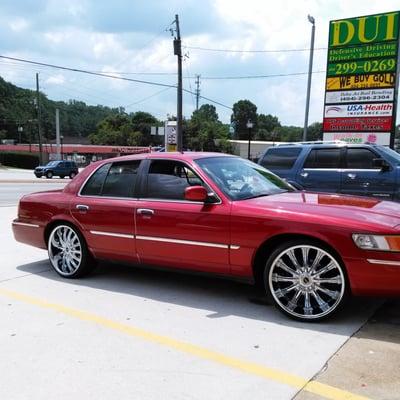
[
  {"x": 241, "y": 179},
  {"x": 392, "y": 155},
  {"x": 52, "y": 164}
]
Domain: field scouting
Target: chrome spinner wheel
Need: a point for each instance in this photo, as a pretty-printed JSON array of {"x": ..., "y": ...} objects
[
  {"x": 65, "y": 250},
  {"x": 306, "y": 282}
]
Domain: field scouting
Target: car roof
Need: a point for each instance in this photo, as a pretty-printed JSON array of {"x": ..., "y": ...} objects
[
  {"x": 184, "y": 156},
  {"x": 323, "y": 145}
]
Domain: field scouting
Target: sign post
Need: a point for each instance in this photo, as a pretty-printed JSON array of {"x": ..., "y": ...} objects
[{"x": 362, "y": 79}]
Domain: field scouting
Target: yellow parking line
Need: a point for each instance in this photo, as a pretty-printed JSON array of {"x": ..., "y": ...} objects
[{"x": 321, "y": 389}]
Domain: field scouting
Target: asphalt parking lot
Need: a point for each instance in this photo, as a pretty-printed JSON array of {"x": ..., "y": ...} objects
[{"x": 134, "y": 333}]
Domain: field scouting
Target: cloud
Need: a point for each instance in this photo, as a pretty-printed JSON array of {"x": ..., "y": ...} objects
[
  {"x": 57, "y": 79},
  {"x": 129, "y": 36}
]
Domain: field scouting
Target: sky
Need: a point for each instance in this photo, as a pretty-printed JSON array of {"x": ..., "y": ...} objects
[{"x": 131, "y": 38}]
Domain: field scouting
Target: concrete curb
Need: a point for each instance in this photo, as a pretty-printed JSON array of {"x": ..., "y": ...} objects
[{"x": 35, "y": 181}]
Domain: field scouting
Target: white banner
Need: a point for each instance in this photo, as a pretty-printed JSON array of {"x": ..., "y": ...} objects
[
  {"x": 382, "y": 138},
  {"x": 359, "y": 110},
  {"x": 355, "y": 96}
]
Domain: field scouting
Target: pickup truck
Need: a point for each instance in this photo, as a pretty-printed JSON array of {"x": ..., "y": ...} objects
[{"x": 356, "y": 169}]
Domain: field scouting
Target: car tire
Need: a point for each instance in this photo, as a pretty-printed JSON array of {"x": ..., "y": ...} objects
[
  {"x": 68, "y": 252},
  {"x": 49, "y": 174},
  {"x": 306, "y": 280},
  {"x": 72, "y": 175}
]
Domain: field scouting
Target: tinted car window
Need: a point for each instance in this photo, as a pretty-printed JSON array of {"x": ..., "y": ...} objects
[
  {"x": 94, "y": 185},
  {"x": 168, "y": 179},
  {"x": 121, "y": 179},
  {"x": 323, "y": 158},
  {"x": 280, "y": 158},
  {"x": 360, "y": 158}
]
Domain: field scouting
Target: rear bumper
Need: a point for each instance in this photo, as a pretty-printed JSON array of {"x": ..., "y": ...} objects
[
  {"x": 29, "y": 233},
  {"x": 375, "y": 275}
]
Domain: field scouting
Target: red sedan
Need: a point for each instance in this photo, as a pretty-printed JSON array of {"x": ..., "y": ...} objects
[{"x": 222, "y": 215}]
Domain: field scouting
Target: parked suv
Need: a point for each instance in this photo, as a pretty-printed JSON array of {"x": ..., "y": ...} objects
[
  {"x": 358, "y": 169},
  {"x": 57, "y": 168}
]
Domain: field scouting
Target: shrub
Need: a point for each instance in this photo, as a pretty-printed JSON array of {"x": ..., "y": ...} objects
[{"x": 19, "y": 160}]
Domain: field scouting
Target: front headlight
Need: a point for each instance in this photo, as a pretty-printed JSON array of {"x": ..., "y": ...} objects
[{"x": 377, "y": 242}]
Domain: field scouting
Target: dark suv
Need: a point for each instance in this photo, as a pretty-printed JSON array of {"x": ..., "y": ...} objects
[
  {"x": 358, "y": 169},
  {"x": 57, "y": 168}
]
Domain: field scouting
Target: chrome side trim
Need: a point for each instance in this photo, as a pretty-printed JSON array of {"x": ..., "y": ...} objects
[
  {"x": 234, "y": 247},
  {"x": 179, "y": 241},
  {"x": 26, "y": 224},
  {"x": 173, "y": 201},
  {"x": 384, "y": 262},
  {"x": 120, "y": 235}
]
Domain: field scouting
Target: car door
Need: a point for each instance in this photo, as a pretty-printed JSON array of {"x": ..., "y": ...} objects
[
  {"x": 105, "y": 210},
  {"x": 173, "y": 231},
  {"x": 361, "y": 177},
  {"x": 322, "y": 170},
  {"x": 62, "y": 168}
]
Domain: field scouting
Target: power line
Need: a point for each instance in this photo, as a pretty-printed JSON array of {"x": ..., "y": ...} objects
[
  {"x": 147, "y": 98},
  {"x": 259, "y": 76},
  {"x": 250, "y": 51},
  {"x": 106, "y": 76},
  {"x": 86, "y": 72}
]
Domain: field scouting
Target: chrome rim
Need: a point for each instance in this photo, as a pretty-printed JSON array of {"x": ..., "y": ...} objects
[
  {"x": 65, "y": 250},
  {"x": 306, "y": 282}
]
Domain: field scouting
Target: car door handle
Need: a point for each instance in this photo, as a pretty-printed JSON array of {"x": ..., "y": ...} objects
[
  {"x": 304, "y": 174},
  {"x": 145, "y": 211},
  {"x": 352, "y": 176},
  {"x": 82, "y": 207}
]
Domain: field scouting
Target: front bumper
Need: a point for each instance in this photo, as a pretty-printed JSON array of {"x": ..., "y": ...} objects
[{"x": 378, "y": 274}]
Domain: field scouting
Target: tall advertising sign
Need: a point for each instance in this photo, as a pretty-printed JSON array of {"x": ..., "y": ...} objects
[
  {"x": 362, "y": 79},
  {"x": 170, "y": 136}
]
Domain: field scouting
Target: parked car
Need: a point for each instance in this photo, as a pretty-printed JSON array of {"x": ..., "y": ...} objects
[
  {"x": 223, "y": 215},
  {"x": 356, "y": 169},
  {"x": 57, "y": 168}
]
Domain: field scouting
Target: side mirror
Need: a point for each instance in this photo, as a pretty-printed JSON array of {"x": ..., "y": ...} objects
[
  {"x": 380, "y": 163},
  {"x": 196, "y": 193}
]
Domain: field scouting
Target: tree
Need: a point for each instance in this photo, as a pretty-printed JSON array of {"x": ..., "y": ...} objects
[
  {"x": 289, "y": 134},
  {"x": 314, "y": 131},
  {"x": 204, "y": 131},
  {"x": 243, "y": 111},
  {"x": 142, "y": 122},
  {"x": 268, "y": 122}
]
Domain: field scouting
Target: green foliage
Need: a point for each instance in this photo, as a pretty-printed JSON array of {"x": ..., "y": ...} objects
[
  {"x": 289, "y": 134},
  {"x": 18, "y": 108},
  {"x": 243, "y": 111},
  {"x": 19, "y": 160},
  {"x": 205, "y": 132},
  {"x": 126, "y": 130},
  {"x": 315, "y": 131},
  {"x": 268, "y": 122},
  {"x": 113, "y": 126}
]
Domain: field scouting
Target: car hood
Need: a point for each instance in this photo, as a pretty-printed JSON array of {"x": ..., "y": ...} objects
[{"x": 338, "y": 210}]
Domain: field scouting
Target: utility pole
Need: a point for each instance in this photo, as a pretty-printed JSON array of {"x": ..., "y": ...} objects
[
  {"x": 178, "y": 52},
  {"x": 310, "y": 65},
  {"x": 58, "y": 144},
  {"x": 39, "y": 119},
  {"x": 197, "y": 91}
]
